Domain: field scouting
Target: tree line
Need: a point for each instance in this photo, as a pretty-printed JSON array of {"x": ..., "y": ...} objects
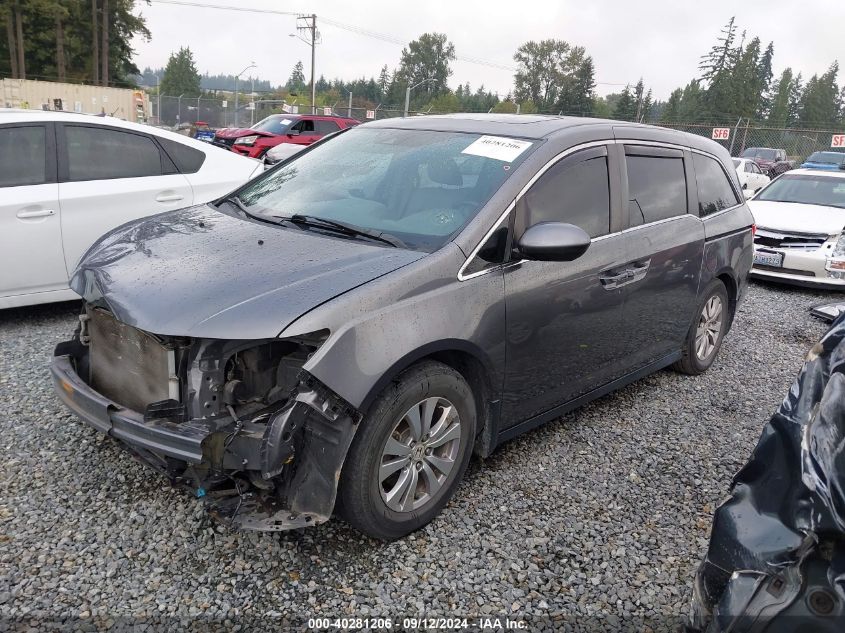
[
  {"x": 89, "y": 40},
  {"x": 70, "y": 40}
]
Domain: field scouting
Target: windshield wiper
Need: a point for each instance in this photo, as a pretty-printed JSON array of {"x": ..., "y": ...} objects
[
  {"x": 342, "y": 227},
  {"x": 236, "y": 202}
]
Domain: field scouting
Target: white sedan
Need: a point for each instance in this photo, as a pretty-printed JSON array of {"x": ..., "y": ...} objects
[
  {"x": 66, "y": 179},
  {"x": 750, "y": 176},
  {"x": 800, "y": 237}
]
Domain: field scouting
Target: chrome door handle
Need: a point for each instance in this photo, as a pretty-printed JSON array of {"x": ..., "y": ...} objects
[
  {"x": 175, "y": 197},
  {"x": 639, "y": 270},
  {"x": 25, "y": 215},
  {"x": 610, "y": 282}
]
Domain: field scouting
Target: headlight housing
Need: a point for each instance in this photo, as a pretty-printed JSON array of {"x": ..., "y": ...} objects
[
  {"x": 835, "y": 264},
  {"x": 247, "y": 140}
]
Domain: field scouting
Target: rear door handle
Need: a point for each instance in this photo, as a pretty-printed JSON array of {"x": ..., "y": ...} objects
[
  {"x": 169, "y": 197},
  {"x": 25, "y": 215}
]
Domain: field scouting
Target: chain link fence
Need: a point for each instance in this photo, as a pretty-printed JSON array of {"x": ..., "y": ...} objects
[
  {"x": 736, "y": 138},
  {"x": 219, "y": 112}
]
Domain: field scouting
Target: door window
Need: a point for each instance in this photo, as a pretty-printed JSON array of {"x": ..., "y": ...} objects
[
  {"x": 714, "y": 189},
  {"x": 325, "y": 127},
  {"x": 575, "y": 190},
  {"x": 304, "y": 127},
  {"x": 102, "y": 153},
  {"x": 657, "y": 188},
  {"x": 23, "y": 156}
]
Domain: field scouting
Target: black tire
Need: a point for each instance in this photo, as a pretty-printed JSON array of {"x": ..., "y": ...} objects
[
  {"x": 360, "y": 491},
  {"x": 690, "y": 362}
]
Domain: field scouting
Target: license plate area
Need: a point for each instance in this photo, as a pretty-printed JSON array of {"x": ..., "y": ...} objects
[{"x": 768, "y": 258}]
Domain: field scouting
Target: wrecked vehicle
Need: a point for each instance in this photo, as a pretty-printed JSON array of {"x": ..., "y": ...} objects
[
  {"x": 776, "y": 560},
  {"x": 351, "y": 325}
]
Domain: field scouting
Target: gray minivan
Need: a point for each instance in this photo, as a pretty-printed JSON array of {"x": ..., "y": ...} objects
[{"x": 342, "y": 332}]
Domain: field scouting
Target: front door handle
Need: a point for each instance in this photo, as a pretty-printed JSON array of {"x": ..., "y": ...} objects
[
  {"x": 639, "y": 270},
  {"x": 615, "y": 280},
  {"x": 169, "y": 197},
  {"x": 25, "y": 215}
]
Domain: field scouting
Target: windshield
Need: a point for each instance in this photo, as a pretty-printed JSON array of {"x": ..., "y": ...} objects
[
  {"x": 806, "y": 189},
  {"x": 827, "y": 158},
  {"x": 274, "y": 124},
  {"x": 419, "y": 186},
  {"x": 757, "y": 152}
]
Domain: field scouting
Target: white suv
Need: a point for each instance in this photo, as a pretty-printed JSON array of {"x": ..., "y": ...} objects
[
  {"x": 66, "y": 179},
  {"x": 800, "y": 218}
]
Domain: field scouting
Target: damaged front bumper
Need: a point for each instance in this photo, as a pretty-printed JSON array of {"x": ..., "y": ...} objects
[{"x": 275, "y": 471}]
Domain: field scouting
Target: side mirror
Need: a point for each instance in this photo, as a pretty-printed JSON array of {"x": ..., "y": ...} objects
[
  {"x": 554, "y": 242},
  {"x": 747, "y": 193},
  {"x": 293, "y": 132}
]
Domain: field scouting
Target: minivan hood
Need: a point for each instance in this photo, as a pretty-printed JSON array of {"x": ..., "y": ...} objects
[
  {"x": 797, "y": 217},
  {"x": 204, "y": 273}
]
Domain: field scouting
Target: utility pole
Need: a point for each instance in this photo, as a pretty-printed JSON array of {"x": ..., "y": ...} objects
[
  {"x": 309, "y": 23},
  {"x": 349, "y": 111}
]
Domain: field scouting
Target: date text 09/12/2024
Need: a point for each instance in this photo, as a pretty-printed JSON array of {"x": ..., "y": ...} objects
[{"x": 418, "y": 624}]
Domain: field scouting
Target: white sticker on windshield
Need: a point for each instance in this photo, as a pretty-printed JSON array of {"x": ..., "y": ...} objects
[
  {"x": 497, "y": 148},
  {"x": 285, "y": 122}
]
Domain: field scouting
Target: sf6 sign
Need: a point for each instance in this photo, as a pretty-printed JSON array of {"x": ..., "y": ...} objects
[
  {"x": 721, "y": 133},
  {"x": 838, "y": 140}
]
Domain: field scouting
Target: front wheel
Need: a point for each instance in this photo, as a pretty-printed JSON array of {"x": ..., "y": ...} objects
[
  {"x": 410, "y": 453},
  {"x": 704, "y": 338}
]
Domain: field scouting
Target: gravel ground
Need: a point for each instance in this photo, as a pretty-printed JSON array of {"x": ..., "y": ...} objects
[{"x": 604, "y": 514}]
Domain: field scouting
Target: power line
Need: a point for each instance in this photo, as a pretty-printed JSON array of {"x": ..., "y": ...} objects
[{"x": 352, "y": 29}]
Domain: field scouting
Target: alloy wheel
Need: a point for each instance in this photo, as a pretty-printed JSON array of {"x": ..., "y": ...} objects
[
  {"x": 420, "y": 452},
  {"x": 709, "y": 328}
]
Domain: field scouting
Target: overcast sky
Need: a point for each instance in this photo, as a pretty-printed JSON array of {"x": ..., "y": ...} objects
[{"x": 660, "y": 40}]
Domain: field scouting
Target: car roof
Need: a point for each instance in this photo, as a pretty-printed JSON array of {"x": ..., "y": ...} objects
[
  {"x": 14, "y": 115},
  {"x": 542, "y": 126},
  {"x": 821, "y": 173}
]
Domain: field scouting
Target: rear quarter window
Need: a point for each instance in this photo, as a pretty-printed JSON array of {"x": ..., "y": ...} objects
[
  {"x": 715, "y": 192},
  {"x": 188, "y": 160}
]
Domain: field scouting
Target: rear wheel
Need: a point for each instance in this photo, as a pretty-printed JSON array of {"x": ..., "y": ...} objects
[
  {"x": 410, "y": 453},
  {"x": 704, "y": 338}
]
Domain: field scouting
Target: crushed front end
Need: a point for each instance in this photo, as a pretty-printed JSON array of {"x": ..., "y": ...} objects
[
  {"x": 776, "y": 560},
  {"x": 238, "y": 422}
]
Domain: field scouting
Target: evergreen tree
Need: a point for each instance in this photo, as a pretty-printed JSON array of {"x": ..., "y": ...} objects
[
  {"x": 778, "y": 113},
  {"x": 764, "y": 81},
  {"x": 796, "y": 91},
  {"x": 383, "y": 80},
  {"x": 180, "y": 75},
  {"x": 672, "y": 111},
  {"x": 819, "y": 105},
  {"x": 626, "y": 106},
  {"x": 296, "y": 82}
]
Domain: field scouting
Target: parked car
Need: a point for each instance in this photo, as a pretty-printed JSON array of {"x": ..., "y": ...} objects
[
  {"x": 777, "y": 547},
  {"x": 799, "y": 237},
  {"x": 825, "y": 160},
  {"x": 281, "y": 152},
  {"x": 357, "y": 322},
  {"x": 68, "y": 178},
  {"x": 751, "y": 178},
  {"x": 298, "y": 129},
  {"x": 772, "y": 162}
]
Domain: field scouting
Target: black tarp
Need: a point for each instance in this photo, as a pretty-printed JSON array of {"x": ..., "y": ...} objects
[{"x": 776, "y": 560}]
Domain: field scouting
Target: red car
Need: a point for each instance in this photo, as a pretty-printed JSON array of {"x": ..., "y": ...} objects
[{"x": 300, "y": 129}]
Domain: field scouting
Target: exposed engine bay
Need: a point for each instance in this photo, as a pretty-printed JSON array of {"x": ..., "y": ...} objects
[{"x": 239, "y": 423}]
